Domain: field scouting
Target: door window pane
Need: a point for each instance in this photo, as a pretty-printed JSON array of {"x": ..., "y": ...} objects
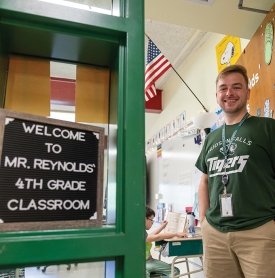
[{"x": 97, "y": 6}]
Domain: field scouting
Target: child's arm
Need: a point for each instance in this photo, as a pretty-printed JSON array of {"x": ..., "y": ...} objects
[{"x": 156, "y": 235}]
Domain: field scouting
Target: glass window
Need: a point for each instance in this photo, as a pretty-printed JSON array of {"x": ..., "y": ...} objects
[
  {"x": 98, "y": 6},
  {"x": 95, "y": 270},
  {"x": 63, "y": 98},
  {"x": 76, "y": 93}
]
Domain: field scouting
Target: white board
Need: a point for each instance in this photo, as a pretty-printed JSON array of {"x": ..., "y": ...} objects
[{"x": 178, "y": 176}]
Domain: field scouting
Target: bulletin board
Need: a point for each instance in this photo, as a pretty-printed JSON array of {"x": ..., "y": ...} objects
[{"x": 259, "y": 59}]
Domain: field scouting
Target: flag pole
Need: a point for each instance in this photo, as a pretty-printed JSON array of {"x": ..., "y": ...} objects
[{"x": 206, "y": 110}]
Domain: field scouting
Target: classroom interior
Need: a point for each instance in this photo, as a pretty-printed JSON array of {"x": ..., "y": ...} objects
[{"x": 149, "y": 152}]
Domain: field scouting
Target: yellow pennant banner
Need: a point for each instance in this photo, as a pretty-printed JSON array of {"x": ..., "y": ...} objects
[{"x": 228, "y": 51}]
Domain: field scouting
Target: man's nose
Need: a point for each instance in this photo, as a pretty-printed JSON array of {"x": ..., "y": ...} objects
[{"x": 229, "y": 91}]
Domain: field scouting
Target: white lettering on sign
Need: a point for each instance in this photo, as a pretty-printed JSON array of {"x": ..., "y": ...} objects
[
  {"x": 57, "y": 204},
  {"x": 64, "y": 185},
  {"x": 56, "y": 148},
  {"x": 28, "y": 183},
  {"x": 16, "y": 162},
  {"x": 45, "y": 164},
  {"x": 56, "y": 132}
]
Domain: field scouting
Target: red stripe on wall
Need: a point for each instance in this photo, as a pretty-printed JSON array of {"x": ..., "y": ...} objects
[{"x": 62, "y": 91}]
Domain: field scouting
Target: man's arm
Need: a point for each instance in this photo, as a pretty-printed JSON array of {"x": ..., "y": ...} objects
[{"x": 203, "y": 196}]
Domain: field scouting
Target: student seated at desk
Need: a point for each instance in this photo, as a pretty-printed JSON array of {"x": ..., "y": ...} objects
[{"x": 154, "y": 266}]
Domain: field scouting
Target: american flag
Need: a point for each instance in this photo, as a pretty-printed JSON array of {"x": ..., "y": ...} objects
[{"x": 156, "y": 66}]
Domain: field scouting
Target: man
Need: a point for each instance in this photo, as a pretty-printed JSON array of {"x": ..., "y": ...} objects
[
  {"x": 237, "y": 187},
  {"x": 154, "y": 266}
]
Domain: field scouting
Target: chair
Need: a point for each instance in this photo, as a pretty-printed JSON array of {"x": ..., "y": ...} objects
[{"x": 185, "y": 259}]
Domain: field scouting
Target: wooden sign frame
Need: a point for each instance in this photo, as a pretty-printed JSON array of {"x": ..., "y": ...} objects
[{"x": 51, "y": 173}]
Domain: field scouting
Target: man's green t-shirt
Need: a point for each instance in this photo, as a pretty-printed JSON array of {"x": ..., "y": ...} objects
[{"x": 251, "y": 171}]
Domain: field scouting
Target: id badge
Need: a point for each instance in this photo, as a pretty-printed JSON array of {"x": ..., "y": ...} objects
[{"x": 226, "y": 205}]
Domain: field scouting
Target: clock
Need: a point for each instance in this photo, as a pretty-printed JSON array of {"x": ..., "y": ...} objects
[{"x": 268, "y": 42}]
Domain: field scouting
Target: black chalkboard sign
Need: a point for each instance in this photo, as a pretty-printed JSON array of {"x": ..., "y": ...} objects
[{"x": 50, "y": 173}]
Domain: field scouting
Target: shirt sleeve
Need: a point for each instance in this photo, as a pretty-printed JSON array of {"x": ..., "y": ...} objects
[{"x": 200, "y": 163}]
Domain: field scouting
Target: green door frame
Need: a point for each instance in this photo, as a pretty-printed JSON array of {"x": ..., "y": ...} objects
[{"x": 38, "y": 29}]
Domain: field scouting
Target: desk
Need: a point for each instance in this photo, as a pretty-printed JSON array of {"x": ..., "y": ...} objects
[{"x": 183, "y": 249}]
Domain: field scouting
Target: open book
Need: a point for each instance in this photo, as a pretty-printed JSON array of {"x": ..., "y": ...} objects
[{"x": 176, "y": 222}]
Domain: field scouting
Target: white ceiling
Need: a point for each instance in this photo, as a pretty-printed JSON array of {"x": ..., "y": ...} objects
[{"x": 178, "y": 27}]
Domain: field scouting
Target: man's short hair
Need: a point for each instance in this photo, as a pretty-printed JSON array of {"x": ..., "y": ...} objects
[{"x": 231, "y": 69}]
